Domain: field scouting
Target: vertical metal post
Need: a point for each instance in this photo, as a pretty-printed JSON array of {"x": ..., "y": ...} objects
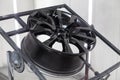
[{"x": 86, "y": 68}]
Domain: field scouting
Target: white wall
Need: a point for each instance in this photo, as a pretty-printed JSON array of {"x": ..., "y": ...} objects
[
  {"x": 6, "y": 8},
  {"x": 80, "y": 6},
  {"x": 46, "y": 3},
  {"x": 106, "y": 18}
]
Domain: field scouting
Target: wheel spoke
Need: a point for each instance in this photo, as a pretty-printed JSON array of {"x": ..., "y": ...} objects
[
  {"x": 84, "y": 37},
  {"x": 72, "y": 19},
  {"x": 66, "y": 46},
  {"x": 83, "y": 28},
  {"x": 48, "y": 25},
  {"x": 60, "y": 18},
  {"x": 52, "y": 27},
  {"x": 51, "y": 41},
  {"x": 79, "y": 44},
  {"x": 52, "y": 21},
  {"x": 39, "y": 29}
]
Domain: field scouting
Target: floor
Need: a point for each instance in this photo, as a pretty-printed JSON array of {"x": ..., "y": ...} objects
[{"x": 28, "y": 75}]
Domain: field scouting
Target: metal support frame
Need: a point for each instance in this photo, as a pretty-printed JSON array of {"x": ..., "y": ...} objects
[
  {"x": 22, "y": 56},
  {"x": 6, "y": 36}
]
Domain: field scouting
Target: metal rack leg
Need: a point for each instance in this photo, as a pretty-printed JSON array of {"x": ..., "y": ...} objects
[{"x": 86, "y": 68}]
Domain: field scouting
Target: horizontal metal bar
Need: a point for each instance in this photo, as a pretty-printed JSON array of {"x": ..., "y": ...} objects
[
  {"x": 106, "y": 72},
  {"x": 28, "y": 12},
  {"x": 107, "y": 42},
  {"x": 14, "y": 32}
]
